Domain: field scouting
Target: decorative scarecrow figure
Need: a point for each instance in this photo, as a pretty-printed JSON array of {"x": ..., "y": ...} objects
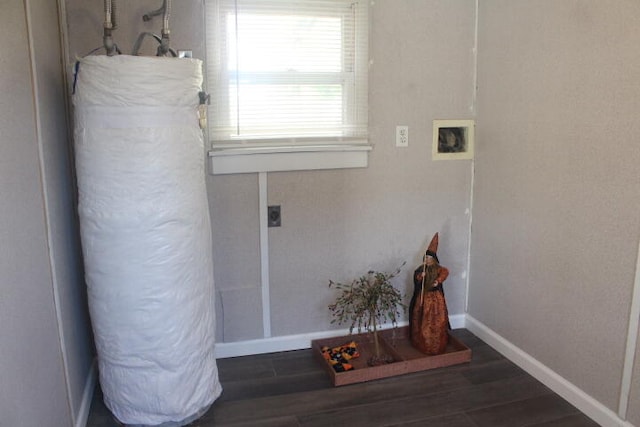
[{"x": 429, "y": 318}]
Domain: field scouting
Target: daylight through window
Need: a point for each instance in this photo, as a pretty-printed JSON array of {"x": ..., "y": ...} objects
[{"x": 287, "y": 71}]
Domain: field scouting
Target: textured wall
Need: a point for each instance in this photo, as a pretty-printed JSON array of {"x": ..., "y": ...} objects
[
  {"x": 339, "y": 224},
  {"x": 555, "y": 221},
  {"x": 62, "y": 221},
  {"x": 234, "y": 212},
  {"x": 31, "y": 364},
  {"x": 85, "y": 26},
  {"x": 555, "y": 214}
]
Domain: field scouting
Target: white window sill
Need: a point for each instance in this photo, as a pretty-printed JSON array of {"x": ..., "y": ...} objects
[{"x": 254, "y": 158}]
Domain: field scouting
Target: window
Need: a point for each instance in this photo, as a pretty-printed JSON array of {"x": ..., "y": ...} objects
[{"x": 283, "y": 72}]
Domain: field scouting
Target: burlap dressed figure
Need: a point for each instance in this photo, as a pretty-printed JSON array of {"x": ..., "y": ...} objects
[{"x": 429, "y": 318}]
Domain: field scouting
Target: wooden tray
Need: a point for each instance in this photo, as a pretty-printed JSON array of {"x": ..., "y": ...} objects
[{"x": 396, "y": 343}]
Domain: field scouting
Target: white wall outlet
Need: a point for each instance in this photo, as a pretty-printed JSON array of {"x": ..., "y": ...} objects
[{"x": 402, "y": 136}]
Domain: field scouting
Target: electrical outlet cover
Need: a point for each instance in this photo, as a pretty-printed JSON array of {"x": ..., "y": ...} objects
[{"x": 402, "y": 136}]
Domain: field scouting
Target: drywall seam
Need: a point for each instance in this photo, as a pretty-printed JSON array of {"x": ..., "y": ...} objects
[
  {"x": 632, "y": 340},
  {"x": 469, "y": 231},
  {"x": 574, "y": 395},
  {"x": 264, "y": 255},
  {"x": 474, "y": 96},
  {"x": 473, "y": 162},
  {"x": 46, "y": 214}
]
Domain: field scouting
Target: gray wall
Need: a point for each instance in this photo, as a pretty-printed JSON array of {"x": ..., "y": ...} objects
[
  {"x": 45, "y": 356},
  {"x": 338, "y": 224},
  {"x": 557, "y": 185},
  {"x": 85, "y": 26},
  {"x": 555, "y": 223},
  {"x": 633, "y": 414}
]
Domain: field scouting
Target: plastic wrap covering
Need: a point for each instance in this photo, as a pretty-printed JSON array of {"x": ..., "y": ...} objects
[{"x": 145, "y": 230}]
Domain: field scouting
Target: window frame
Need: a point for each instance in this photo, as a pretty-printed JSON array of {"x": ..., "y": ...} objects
[{"x": 244, "y": 155}]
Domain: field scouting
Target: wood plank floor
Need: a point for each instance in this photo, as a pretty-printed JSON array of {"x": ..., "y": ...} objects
[{"x": 291, "y": 389}]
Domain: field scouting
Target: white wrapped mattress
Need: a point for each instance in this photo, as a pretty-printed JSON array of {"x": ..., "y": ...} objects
[{"x": 145, "y": 229}]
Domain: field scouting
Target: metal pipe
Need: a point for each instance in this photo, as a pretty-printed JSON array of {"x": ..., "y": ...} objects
[
  {"x": 149, "y": 16},
  {"x": 167, "y": 14},
  {"x": 164, "y": 48},
  {"x": 109, "y": 25},
  {"x": 114, "y": 14},
  {"x": 165, "y": 10},
  {"x": 107, "y": 14}
]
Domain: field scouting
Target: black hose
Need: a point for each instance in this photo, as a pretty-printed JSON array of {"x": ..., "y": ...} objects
[{"x": 160, "y": 52}]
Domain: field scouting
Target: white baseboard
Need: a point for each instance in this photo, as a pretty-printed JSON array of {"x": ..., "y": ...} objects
[
  {"x": 87, "y": 395},
  {"x": 574, "y": 395},
  {"x": 294, "y": 342}
]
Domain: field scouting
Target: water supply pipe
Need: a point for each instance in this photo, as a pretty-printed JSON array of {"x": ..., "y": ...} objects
[
  {"x": 164, "y": 48},
  {"x": 165, "y": 10},
  {"x": 109, "y": 26},
  {"x": 149, "y": 16}
]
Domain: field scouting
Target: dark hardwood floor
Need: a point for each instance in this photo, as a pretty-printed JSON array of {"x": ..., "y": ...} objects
[{"x": 291, "y": 389}]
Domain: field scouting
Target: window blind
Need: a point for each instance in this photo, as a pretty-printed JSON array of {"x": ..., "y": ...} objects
[{"x": 287, "y": 70}]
